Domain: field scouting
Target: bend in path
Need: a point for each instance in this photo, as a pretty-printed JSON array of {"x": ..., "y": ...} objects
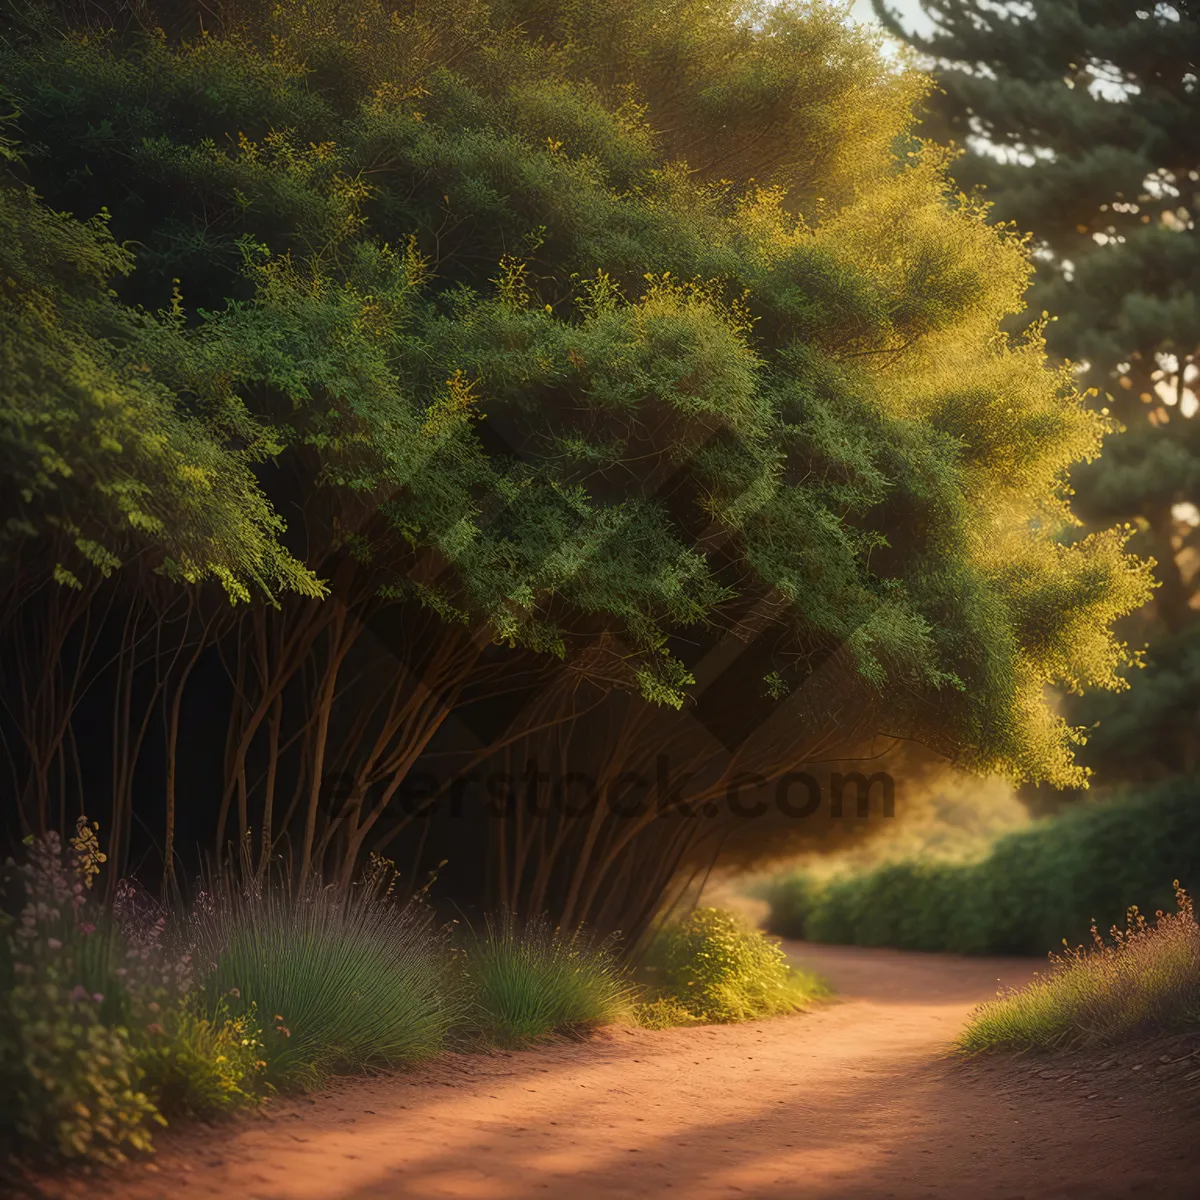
[{"x": 854, "y": 1099}]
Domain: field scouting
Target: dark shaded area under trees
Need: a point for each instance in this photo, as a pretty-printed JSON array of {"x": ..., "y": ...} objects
[{"x": 462, "y": 387}]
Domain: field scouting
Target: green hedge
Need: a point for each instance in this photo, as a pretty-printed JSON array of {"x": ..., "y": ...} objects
[{"x": 1036, "y": 887}]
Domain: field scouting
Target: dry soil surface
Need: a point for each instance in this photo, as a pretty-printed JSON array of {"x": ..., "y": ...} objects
[{"x": 855, "y": 1098}]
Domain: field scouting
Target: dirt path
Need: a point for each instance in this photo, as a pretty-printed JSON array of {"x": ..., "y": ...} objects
[{"x": 855, "y": 1099}]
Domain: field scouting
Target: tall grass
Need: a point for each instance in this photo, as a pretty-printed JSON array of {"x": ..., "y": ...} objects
[
  {"x": 1145, "y": 979},
  {"x": 337, "y": 980},
  {"x": 532, "y": 980}
]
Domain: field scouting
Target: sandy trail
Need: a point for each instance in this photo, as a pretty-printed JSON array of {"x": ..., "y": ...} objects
[{"x": 853, "y": 1099}]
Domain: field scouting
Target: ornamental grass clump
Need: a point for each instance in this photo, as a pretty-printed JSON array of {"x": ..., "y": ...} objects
[
  {"x": 1145, "y": 979},
  {"x": 529, "y": 981},
  {"x": 718, "y": 968},
  {"x": 340, "y": 979}
]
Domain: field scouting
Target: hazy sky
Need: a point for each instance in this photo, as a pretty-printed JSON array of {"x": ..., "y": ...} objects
[{"x": 909, "y": 10}]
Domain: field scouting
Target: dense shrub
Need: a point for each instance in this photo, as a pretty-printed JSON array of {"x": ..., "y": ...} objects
[
  {"x": 526, "y": 334},
  {"x": 1146, "y": 979},
  {"x": 715, "y": 967},
  {"x": 792, "y": 897},
  {"x": 1036, "y": 886},
  {"x": 70, "y": 1080},
  {"x": 533, "y": 980}
]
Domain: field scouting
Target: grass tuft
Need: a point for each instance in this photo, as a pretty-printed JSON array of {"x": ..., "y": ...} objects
[
  {"x": 534, "y": 980},
  {"x": 1146, "y": 979},
  {"x": 338, "y": 980}
]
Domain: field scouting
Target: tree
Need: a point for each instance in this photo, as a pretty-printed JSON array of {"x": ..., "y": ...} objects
[
  {"x": 1080, "y": 121},
  {"x": 602, "y": 340}
]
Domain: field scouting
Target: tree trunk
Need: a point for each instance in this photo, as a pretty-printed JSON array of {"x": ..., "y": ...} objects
[{"x": 1171, "y": 598}]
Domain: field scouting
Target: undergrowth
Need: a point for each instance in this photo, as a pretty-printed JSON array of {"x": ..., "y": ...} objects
[
  {"x": 532, "y": 980},
  {"x": 338, "y": 981},
  {"x": 114, "y": 1017},
  {"x": 1035, "y": 886},
  {"x": 714, "y": 967},
  {"x": 1145, "y": 978}
]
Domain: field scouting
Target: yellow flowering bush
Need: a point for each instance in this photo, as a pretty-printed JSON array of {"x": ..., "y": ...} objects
[
  {"x": 200, "y": 1065},
  {"x": 719, "y": 968}
]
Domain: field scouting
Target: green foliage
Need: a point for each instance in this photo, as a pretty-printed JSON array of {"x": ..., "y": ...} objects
[
  {"x": 336, "y": 981},
  {"x": 792, "y": 897},
  {"x": 717, "y": 968},
  {"x": 103, "y": 1035},
  {"x": 1078, "y": 124},
  {"x": 1146, "y": 979},
  {"x": 533, "y": 980},
  {"x": 70, "y": 1080},
  {"x": 73, "y": 1085},
  {"x": 197, "y": 1065},
  {"x": 99, "y": 455},
  {"x": 1055, "y": 878},
  {"x": 103, "y": 1032},
  {"x": 691, "y": 243},
  {"x": 1149, "y": 732},
  {"x": 1098, "y": 98},
  {"x": 663, "y": 1012}
]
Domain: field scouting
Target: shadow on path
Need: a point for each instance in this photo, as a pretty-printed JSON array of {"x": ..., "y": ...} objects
[{"x": 857, "y": 1098}]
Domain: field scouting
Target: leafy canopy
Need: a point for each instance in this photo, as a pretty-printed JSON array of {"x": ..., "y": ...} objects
[
  {"x": 1079, "y": 122},
  {"x": 566, "y": 321}
]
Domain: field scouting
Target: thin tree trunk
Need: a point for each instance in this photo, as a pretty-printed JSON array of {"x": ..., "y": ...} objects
[
  {"x": 268, "y": 832},
  {"x": 1171, "y": 599},
  {"x": 337, "y": 652},
  {"x": 169, "y": 886}
]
